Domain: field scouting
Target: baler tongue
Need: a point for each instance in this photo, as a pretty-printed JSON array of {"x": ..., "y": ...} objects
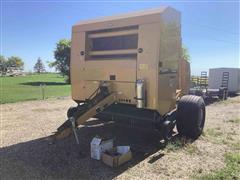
[
  {"x": 67, "y": 128},
  {"x": 64, "y": 130},
  {"x": 83, "y": 112}
]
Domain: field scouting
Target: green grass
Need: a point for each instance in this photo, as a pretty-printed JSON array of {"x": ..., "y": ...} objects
[
  {"x": 179, "y": 143},
  {"x": 237, "y": 120},
  {"x": 212, "y": 132},
  {"x": 229, "y": 172},
  {"x": 236, "y": 146},
  {"x": 182, "y": 143},
  {"x": 175, "y": 145},
  {"x": 230, "y": 101},
  {"x": 192, "y": 149},
  {"x": 23, "y": 88}
]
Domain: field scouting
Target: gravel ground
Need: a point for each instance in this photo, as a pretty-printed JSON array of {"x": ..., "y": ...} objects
[{"x": 27, "y": 151}]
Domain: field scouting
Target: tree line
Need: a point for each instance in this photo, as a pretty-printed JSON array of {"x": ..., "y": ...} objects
[
  {"x": 15, "y": 63},
  {"x": 61, "y": 62},
  {"x": 11, "y": 62}
]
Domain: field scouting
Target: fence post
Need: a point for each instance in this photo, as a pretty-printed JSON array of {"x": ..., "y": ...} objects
[{"x": 42, "y": 86}]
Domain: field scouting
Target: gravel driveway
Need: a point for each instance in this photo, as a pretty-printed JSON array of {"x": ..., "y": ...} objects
[{"x": 27, "y": 151}]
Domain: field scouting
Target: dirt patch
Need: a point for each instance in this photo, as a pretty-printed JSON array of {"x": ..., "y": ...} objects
[{"x": 26, "y": 151}]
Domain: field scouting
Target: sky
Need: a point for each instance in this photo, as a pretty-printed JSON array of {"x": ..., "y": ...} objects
[{"x": 31, "y": 29}]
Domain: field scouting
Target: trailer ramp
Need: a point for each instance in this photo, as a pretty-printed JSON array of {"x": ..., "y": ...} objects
[{"x": 90, "y": 108}]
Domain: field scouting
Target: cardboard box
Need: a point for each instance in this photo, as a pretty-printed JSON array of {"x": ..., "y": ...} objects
[
  {"x": 99, "y": 145},
  {"x": 117, "y": 156}
]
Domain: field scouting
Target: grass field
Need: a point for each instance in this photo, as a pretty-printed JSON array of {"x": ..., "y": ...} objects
[{"x": 22, "y": 88}]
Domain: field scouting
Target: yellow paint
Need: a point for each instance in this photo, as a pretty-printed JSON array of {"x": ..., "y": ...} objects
[{"x": 143, "y": 66}]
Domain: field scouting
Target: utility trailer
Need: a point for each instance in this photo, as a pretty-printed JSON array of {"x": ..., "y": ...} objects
[
  {"x": 225, "y": 77},
  {"x": 128, "y": 69},
  {"x": 202, "y": 86}
]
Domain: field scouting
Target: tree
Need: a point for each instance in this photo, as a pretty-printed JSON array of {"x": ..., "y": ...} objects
[
  {"x": 62, "y": 56},
  {"x": 39, "y": 66},
  {"x": 16, "y": 62},
  {"x": 3, "y": 66},
  {"x": 185, "y": 54}
]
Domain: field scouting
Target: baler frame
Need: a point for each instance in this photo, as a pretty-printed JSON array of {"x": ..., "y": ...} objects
[
  {"x": 129, "y": 68},
  {"x": 98, "y": 104}
]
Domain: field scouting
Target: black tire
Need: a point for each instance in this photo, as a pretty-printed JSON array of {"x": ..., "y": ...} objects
[
  {"x": 191, "y": 116},
  {"x": 71, "y": 111}
]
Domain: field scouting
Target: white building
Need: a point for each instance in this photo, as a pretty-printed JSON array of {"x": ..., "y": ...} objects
[{"x": 217, "y": 79}]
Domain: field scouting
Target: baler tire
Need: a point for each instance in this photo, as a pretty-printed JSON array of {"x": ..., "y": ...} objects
[
  {"x": 71, "y": 111},
  {"x": 191, "y": 116}
]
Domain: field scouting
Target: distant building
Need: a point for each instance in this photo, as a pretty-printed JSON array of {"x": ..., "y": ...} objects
[
  {"x": 14, "y": 71},
  {"x": 225, "y": 77}
]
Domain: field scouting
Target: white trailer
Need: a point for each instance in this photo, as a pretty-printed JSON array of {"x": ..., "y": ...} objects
[{"x": 217, "y": 79}]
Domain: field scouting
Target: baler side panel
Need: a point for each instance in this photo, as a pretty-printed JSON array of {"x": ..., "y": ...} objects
[
  {"x": 170, "y": 52},
  {"x": 87, "y": 73},
  {"x": 149, "y": 35},
  {"x": 77, "y": 65}
]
